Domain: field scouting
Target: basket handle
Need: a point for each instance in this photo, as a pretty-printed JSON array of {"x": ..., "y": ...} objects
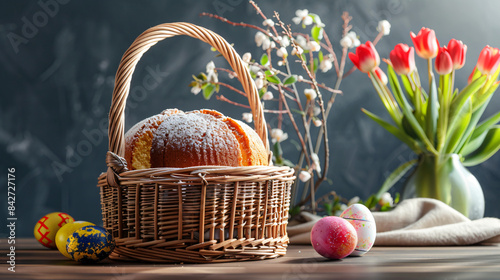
[{"x": 149, "y": 38}]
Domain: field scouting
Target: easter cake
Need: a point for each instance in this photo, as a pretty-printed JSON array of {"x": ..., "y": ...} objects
[{"x": 202, "y": 137}]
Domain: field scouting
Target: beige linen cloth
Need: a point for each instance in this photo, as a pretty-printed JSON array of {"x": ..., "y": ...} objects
[{"x": 417, "y": 222}]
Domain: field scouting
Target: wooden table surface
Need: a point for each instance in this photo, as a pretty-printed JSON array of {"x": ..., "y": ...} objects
[{"x": 301, "y": 262}]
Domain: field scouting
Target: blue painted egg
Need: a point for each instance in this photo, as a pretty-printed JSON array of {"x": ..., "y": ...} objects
[{"x": 90, "y": 244}]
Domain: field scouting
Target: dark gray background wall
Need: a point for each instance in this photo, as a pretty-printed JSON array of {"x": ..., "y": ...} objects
[{"x": 56, "y": 88}]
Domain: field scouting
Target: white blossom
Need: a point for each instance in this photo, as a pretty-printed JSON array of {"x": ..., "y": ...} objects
[
  {"x": 304, "y": 176},
  {"x": 302, "y": 16},
  {"x": 280, "y": 63},
  {"x": 247, "y": 57},
  {"x": 316, "y": 111},
  {"x": 346, "y": 42},
  {"x": 284, "y": 41},
  {"x": 268, "y": 95},
  {"x": 277, "y": 135},
  {"x": 297, "y": 51},
  {"x": 386, "y": 198},
  {"x": 353, "y": 200},
  {"x": 248, "y": 117},
  {"x": 259, "y": 83},
  {"x": 211, "y": 73},
  {"x": 259, "y": 38},
  {"x": 354, "y": 38},
  {"x": 317, "y": 122},
  {"x": 254, "y": 69},
  {"x": 196, "y": 89},
  {"x": 268, "y": 44},
  {"x": 268, "y": 22},
  {"x": 301, "y": 41},
  {"x": 350, "y": 40},
  {"x": 384, "y": 26},
  {"x": 325, "y": 65},
  {"x": 281, "y": 52},
  {"x": 315, "y": 164},
  {"x": 310, "y": 93},
  {"x": 300, "y": 78},
  {"x": 313, "y": 46}
]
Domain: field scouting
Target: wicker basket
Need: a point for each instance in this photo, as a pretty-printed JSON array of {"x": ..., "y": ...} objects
[{"x": 197, "y": 214}]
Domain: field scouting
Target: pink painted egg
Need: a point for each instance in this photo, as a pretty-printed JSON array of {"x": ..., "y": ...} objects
[
  {"x": 333, "y": 237},
  {"x": 362, "y": 220}
]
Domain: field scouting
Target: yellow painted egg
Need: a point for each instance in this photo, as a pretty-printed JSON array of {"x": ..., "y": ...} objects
[
  {"x": 46, "y": 228},
  {"x": 64, "y": 232},
  {"x": 90, "y": 244}
]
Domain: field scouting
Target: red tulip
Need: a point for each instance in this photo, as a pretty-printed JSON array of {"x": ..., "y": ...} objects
[
  {"x": 381, "y": 75},
  {"x": 488, "y": 60},
  {"x": 471, "y": 76},
  {"x": 366, "y": 57},
  {"x": 444, "y": 63},
  {"x": 457, "y": 51},
  {"x": 425, "y": 43},
  {"x": 403, "y": 59}
]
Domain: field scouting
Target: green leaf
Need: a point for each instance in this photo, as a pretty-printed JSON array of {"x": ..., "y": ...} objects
[
  {"x": 315, "y": 65},
  {"x": 208, "y": 91},
  {"x": 302, "y": 113},
  {"x": 264, "y": 60},
  {"x": 490, "y": 145},
  {"x": 320, "y": 56},
  {"x": 394, "y": 131},
  {"x": 317, "y": 33},
  {"x": 473, "y": 144},
  {"x": 394, "y": 177},
  {"x": 407, "y": 111},
  {"x": 387, "y": 99},
  {"x": 462, "y": 97},
  {"x": 476, "y": 115},
  {"x": 371, "y": 202},
  {"x": 273, "y": 79},
  {"x": 193, "y": 84},
  {"x": 290, "y": 80},
  {"x": 457, "y": 130},
  {"x": 486, "y": 124},
  {"x": 262, "y": 91},
  {"x": 483, "y": 98},
  {"x": 408, "y": 87}
]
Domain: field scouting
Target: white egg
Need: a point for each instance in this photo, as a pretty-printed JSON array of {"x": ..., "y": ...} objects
[{"x": 362, "y": 219}]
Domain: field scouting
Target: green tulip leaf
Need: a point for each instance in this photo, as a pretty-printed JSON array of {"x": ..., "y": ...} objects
[
  {"x": 483, "y": 98},
  {"x": 387, "y": 99},
  {"x": 473, "y": 144},
  {"x": 462, "y": 97},
  {"x": 407, "y": 110},
  {"x": 457, "y": 130},
  {"x": 394, "y": 177},
  {"x": 394, "y": 131},
  {"x": 490, "y": 145},
  {"x": 486, "y": 124},
  {"x": 408, "y": 87},
  {"x": 467, "y": 137}
]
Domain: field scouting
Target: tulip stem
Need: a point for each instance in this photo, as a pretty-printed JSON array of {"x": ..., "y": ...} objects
[{"x": 431, "y": 74}]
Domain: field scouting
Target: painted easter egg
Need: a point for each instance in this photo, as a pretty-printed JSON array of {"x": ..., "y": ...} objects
[
  {"x": 46, "y": 228},
  {"x": 64, "y": 232},
  {"x": 333, "y": 237},
  {"x": 362, "y": 220},
  {"x": 90, "y": 244}
]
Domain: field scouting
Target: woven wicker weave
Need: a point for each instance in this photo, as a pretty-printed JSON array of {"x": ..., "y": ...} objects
[{"x": 196, "y": 214}]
